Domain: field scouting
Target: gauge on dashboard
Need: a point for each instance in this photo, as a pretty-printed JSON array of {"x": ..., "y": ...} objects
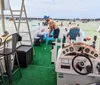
[
  {"x": 64, "y": 52},
  {"x": 71, "y": 49},
  {"x": 92, "y": 52},
  {"x": 95, "y": 55},
  {"x": 87, "y": 50}
]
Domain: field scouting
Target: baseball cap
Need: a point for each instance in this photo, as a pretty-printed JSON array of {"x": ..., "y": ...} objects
[{"x": 46, "y": 17}]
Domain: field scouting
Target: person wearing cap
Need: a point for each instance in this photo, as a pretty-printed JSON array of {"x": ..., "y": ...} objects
[{"x": 52, "y": 26}]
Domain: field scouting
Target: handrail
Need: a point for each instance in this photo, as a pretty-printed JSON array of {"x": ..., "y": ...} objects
[{"x": 4, "y": 54}]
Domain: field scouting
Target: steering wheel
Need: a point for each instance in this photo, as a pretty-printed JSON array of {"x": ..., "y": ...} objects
[{"x": 82, "y": 64}]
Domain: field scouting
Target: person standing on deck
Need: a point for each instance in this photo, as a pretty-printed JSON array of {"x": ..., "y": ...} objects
[{"x": 52, "y": 26}]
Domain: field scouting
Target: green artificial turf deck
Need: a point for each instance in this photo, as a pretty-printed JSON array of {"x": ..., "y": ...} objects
[{"x": 40, "y": 71}]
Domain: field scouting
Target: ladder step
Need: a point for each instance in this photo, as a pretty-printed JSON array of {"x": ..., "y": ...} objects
[
  {"x": 23, "y": 32},
  {"x": 9, "y": 15},
  {"x": 17, "y": 10},
  {"x": 16, "y": 15},
  {"x": 21, "y": 22}
]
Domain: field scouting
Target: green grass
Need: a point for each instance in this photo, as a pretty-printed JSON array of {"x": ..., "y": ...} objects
[{"x": 40, "y": 71}]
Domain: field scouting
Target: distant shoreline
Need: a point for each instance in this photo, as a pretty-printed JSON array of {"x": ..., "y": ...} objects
[{"x": 69, "y": 19}]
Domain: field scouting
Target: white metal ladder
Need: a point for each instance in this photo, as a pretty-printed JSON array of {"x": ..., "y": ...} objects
[{"x": 22, "y": 10}]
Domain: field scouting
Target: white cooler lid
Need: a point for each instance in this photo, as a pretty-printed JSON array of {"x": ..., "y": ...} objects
[{"x": 36, "y": 37}]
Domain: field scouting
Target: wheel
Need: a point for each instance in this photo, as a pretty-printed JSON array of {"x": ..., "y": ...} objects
[{"x": 83, "y": 65}]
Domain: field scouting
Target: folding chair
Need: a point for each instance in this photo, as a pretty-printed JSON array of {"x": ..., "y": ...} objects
[{"x": 49, "y": 38}]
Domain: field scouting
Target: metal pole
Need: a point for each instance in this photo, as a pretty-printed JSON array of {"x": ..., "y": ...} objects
[
  {"x": 20, "y": 14},
  {"x": 13, "y": 17},
  {"x": 2, "y": 16},
  {"x": 28, "y": 25}
]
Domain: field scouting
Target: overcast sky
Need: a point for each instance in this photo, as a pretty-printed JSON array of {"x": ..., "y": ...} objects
[{"x": 61, "y": 8}]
